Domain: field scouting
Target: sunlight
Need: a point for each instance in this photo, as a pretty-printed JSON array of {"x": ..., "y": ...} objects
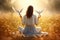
[{"x": 37, "y": 4}]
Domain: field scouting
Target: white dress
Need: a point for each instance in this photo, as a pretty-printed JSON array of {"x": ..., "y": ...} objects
[{"x": 30, "y": 29}]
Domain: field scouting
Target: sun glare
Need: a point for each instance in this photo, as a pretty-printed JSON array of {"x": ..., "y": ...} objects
[{"x": 37, "y": 4}]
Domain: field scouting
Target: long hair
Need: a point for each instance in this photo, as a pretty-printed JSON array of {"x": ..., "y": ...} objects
[{"x": 29, "y": 12}]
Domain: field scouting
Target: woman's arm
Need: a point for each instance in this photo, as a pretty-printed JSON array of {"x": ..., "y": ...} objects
[
  {"x": 23, "y": 20},
  {"x": 37, "y": 20},
  {"x": 39, "y": 16}
]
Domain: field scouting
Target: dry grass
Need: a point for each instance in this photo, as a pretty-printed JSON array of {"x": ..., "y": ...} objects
[{"x": 9, "y": 23}]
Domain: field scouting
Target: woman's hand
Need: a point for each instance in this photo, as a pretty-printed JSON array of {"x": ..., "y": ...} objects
[
  {"x": 39, "y": 16},
  {"x": 20, "y": 16}
]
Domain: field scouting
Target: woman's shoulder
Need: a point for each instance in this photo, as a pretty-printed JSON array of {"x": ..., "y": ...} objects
[
  {"x": 24, "y": 16},
  {"x": 34, "y": 15}
]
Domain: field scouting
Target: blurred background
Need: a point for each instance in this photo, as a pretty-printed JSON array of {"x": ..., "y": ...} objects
[{"x": 10, "y": 20}]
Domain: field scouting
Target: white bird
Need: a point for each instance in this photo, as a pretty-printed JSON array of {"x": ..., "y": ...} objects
[
  {"x": 18, "y": 11},
  {"x": 39, "y": 12}
]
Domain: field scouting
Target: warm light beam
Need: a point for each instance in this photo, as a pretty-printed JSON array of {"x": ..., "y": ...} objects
[{"x": 37, "y": 4}]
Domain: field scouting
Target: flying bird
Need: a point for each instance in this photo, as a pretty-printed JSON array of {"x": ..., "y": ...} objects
[
  {"x": 18, "y": 11},
  {"x": 39, "y": 12}
]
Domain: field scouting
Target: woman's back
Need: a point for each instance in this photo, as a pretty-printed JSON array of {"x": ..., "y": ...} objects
[{"x": 29, "y": 21}]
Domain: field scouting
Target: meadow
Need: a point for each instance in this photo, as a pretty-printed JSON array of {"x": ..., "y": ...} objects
[{"x": 9, "y": 23}]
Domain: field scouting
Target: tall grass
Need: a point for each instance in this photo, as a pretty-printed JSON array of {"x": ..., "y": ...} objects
[{"x": 9, "y": 23}]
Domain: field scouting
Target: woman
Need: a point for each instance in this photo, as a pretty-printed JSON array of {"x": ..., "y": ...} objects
[{"x": 30, "y": 20}]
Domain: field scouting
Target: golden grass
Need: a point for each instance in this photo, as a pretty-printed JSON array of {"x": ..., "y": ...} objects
[{"x": 9, "y": 23}]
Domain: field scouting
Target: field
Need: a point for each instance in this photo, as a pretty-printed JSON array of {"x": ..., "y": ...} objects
[{"x": 9, "y": 23}]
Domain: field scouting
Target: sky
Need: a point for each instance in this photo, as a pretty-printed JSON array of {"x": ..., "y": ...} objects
[
  {"x": 38, "y": 5},
  {"x": 50, "y": 5}
]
